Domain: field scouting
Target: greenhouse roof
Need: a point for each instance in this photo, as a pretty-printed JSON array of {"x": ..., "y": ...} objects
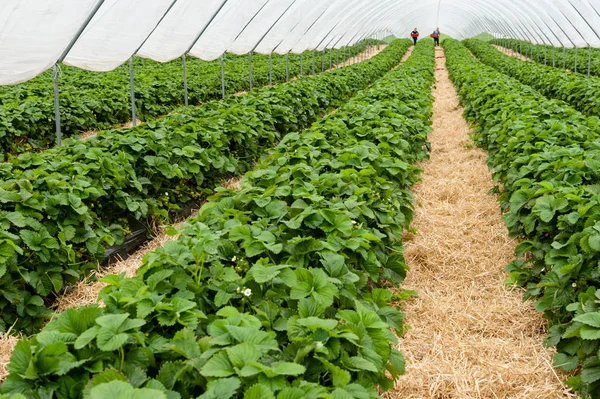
[{"x": 100, "y": 35}]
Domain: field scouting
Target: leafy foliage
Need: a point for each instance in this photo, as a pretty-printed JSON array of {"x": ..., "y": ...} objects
[
  {"x": 270, "y": 292},
  {"x": 566, "y": 58},
  {"x": 94, "y": 101},
  {"x": 545, "y": 154},
  {"x": 59, "y": 209},
  {"x": 581, "y": 92}
]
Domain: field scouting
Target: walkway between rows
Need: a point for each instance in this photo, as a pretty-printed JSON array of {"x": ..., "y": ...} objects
[
  {"x": 471, "y": 337},
  {"x": 511, "y": 52}
]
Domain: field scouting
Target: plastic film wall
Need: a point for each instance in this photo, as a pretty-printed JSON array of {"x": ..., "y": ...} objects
[{"x": 100, "y": 35}]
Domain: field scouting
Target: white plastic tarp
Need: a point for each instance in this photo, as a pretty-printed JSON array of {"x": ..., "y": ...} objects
[{"x": 35, "y": 33}]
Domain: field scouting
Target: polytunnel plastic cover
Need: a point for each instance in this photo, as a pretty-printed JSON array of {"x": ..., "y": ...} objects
[{"x": 100, "y": 35}]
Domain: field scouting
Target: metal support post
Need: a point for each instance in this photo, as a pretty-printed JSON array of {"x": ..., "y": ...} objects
[
  {"x": 589, "y": 60},
  {"x": 56, "y": 105},
  {"x": 132, "y": 88},
  {"x": 323, "y": 61},
  {"x": 545, "y": 57},
  {"x": 301, "y": 65},
  {"x": 250, "y": 69},
  {"x": 270, "y": 69},
  {"x": 330, "y": 58},
  {"x": 313, "y": 62},
  {"x": 576, "y": 51},
  {"x": 564, "y": 57},
  {"x": 223, "y": 75},
  {"x": 287, "y": 67},
  {"x": 553, "y": 56},
  {"x": 521, "y": 47},
  {"x": 185, "y": 82}
]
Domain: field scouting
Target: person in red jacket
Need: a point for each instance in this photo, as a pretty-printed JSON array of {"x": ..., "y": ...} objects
[
  {"x": 436, "y": 37},
  {"x": 414, "y": 34}
]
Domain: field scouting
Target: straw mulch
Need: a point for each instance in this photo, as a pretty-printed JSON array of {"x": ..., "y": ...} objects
[
  {"x": 471, "y": 337},
  {"x": 370, "y": 52},
  {"x": 405, "y": 57},
  {"x": 512, "y": 53},
  {"x": 7, "y": 344},
  {"x": 93, "y": 133}
]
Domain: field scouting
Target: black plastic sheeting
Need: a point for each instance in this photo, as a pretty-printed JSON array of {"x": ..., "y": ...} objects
[{"x": 140, "y": 234}]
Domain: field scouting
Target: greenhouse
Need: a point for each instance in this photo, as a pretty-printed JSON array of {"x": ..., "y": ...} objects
[{"x": 335, "y": 199}]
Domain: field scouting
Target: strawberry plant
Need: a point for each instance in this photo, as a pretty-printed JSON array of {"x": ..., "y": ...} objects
[
  {"x": 566, "y": 57},
  {"x": 545, "y": 154},
  {"x": 271, "y": 291},
  {"x": 61, "y": 208},
  {"x": 94, "y": 101},
  {"x": 578, "y": 90}
]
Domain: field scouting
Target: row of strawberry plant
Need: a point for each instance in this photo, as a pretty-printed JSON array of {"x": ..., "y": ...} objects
[
  {"x": 93, "y": 101},
  {"x": 270, "y": 291},
  {"x": 582, "y": 92},
  {"x": 547, "y": 157},
  {"x": 565, "y": 58},
  {"x": 59, "y": 209}
]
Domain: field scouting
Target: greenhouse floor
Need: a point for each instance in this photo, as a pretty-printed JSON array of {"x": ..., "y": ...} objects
[
  {"x": 512, "y": 53},
  {"x": 471, "y": 336}
]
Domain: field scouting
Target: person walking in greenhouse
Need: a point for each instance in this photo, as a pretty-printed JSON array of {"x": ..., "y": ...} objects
[
  {"x": 415, "y": 35},
  {"x": 436, "y": 36}
]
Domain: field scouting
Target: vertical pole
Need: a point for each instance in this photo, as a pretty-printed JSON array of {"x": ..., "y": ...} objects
[
  {"x": 323, "y": 61},
  {"x": 531, "y": 52},
  {"x": 564, "y": 57},
  {"x": 287, "y": 67},
  {"x": 553, "y": 56},
  {"x": 589, "y": 60},
  {"x": 545, "y": 57},
  {"x": 223, "y": 75},
  {"x": 330, "y": 58},
  {"x": 313, "y": 62},
  {"x": 185, "y": 82},
  {"x": 576, "y": 51},
  {"x": 301, "y": 65},
  {"x": 270, "y": 69},
  {"x": 132, "y": 89},
  {"x": 250, "y": 68},
  {"x": 56, "y": 105}
]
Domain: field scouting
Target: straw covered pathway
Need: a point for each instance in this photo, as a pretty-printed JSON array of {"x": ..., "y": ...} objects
[{"x": 470, "y": 336}]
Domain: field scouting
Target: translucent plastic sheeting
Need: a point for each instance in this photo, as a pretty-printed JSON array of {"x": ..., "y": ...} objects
[
  {"x": 229, "y": 26},
  {"x": 115, "y": 33},
  {"x": 180, "y": 29},
  {"x": 35, "y": 34}
]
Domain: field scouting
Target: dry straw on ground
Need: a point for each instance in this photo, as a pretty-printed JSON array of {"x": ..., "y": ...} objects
[
  {"x": 7, "y": 343},
  {"x": 93, "y": 133},
  {"x": 512, "y": 53},
  {"x": 370, "y": 52},
  {"x": 471, "y": 337}
]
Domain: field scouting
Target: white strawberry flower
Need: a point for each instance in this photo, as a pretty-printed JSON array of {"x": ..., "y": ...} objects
[{"x": 247, "y": 292}]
